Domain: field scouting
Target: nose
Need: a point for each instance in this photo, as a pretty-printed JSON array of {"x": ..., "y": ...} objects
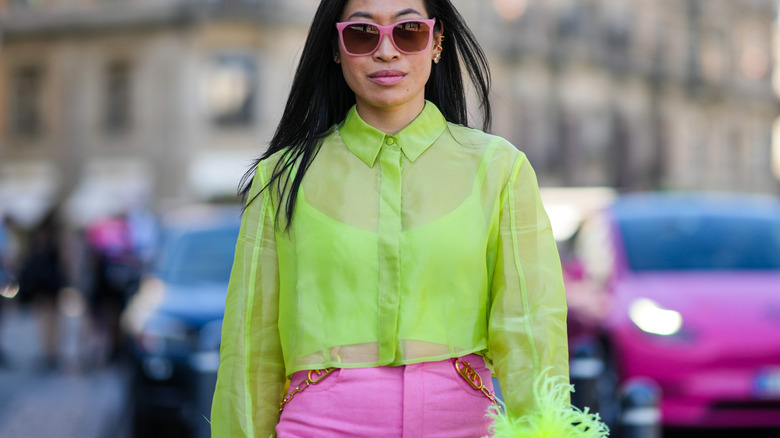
[{"x": 386, "y": 50}]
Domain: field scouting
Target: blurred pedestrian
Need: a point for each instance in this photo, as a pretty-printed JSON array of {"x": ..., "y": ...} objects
[
  {"x": 389, "y": 255},
  {"x": 40, "y": 280},
  {"x": 116, "y": 271}
]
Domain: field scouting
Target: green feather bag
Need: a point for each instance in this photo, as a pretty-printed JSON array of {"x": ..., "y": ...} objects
[{"x": 553, "y": 418}]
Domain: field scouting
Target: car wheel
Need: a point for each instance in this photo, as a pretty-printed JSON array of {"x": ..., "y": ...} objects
[
  {"x": 142, "y": 424},
  {"x": 595, "y": 381},
  {"x": 142, "y": 421},
  {"x": 608, "y": 396},
  {"x": 150, "y": 422}
]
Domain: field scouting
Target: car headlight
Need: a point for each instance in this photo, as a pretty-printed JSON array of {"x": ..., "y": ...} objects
[
  {"x": 157, "y": 368},
  {"x": 9, "y": 287},
  {"x": 9, "y": 290},
  {"x": 652, "y": 318},
  {"x": 164, "y": 335},
  {"x": 142, "y": 306}
]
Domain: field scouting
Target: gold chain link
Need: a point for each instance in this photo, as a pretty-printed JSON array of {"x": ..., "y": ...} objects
[
  {"x": 474, "y": 379},
  {"x": 314, "y": 377},
  {"x": 464, "y": 369}
]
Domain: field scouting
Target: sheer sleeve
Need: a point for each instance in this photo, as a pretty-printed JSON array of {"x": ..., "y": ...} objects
[
  {"x": 527, "y": 325},
  {"x": 251, "y": 372}
]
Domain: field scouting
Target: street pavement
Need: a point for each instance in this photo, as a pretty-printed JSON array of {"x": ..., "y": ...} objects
[{"x": 70, "y": 401}]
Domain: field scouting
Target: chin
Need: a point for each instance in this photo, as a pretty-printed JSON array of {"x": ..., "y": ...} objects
[{"x": 389, "y": 98}]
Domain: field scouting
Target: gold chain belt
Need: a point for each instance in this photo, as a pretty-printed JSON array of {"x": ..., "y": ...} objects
[
  {"x": 463, "y": 368},
  {"x": 474, "y": 379},
  {"x": 314, "y": 377}
]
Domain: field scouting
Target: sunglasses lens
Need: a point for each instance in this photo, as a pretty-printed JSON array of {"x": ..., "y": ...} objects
[
  {"x": 411, "y": 36},
  {"x": 360, "y": 39}
]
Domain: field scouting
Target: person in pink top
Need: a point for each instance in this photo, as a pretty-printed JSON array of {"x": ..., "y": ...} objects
[{"x": 116, "y": 271}]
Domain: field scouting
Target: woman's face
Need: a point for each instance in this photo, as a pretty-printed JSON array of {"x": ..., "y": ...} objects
[{"x": 387, "y": 79}]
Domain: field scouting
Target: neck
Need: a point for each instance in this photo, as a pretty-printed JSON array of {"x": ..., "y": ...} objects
[{"x": 390, "y": 120}]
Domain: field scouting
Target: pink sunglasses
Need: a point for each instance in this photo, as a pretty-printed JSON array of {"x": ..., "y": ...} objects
[{"x": 359, "y": 38}]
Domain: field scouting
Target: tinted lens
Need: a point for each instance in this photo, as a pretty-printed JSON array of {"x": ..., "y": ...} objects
[
  {"x": 360, "y": 39},
  {"x": 411, "y": 36}
]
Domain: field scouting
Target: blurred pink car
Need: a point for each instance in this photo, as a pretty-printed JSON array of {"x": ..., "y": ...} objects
[{"x": 683, "y": 290}]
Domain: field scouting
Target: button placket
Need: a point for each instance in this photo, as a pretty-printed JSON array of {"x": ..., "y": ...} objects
[{"x": 389, "y": 247}]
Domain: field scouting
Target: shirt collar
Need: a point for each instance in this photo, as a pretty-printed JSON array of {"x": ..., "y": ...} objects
[{"x": 365, "y": 141}]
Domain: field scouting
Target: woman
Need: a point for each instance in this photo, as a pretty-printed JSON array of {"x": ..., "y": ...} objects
[{"x": 388, "y": 254}]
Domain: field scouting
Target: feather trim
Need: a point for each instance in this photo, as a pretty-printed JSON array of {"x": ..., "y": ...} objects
[{"x": 553, "y": 418}]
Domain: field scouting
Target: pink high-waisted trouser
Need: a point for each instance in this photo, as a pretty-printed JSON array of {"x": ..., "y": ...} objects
[{"x": 425, "y": 400}]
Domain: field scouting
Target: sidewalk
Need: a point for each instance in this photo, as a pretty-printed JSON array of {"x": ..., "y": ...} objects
[{"x": 60, "y": 404}]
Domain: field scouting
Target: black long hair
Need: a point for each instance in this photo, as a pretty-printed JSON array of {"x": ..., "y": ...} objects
[{"x": 320, "y": 97}]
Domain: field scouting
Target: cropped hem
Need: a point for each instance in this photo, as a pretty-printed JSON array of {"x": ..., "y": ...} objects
[{"x": 318, "y": 366}]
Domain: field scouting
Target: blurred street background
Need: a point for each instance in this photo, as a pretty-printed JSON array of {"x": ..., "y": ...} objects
[
  {"x": 68, "y": 402},
  {"x": 116, "y": 115}
]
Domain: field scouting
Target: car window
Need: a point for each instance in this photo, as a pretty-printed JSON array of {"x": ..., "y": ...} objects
[
  {"x": 701, "y": 243},
  {"x": 199, "y": 256}
]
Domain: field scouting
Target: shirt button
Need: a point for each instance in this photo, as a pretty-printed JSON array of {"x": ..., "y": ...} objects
[{"x": 390, "y": 141}]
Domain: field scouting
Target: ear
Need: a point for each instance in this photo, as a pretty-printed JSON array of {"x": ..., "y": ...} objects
[
  {"x": 438, "y": 37},
  {"x": 336, "y": 54}
]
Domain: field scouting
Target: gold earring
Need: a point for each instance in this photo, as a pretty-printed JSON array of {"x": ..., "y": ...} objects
[
  {"x": 336, "y": 59},
  {"x": 437, "y": 57}
]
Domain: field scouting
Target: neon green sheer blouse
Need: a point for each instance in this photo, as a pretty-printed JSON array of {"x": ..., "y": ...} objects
[{"x": 420, "y": 246}]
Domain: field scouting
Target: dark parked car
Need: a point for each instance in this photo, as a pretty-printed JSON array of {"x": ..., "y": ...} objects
[
  {"x": 174, "y": 322},
  {"x": 682, "y": 291}
]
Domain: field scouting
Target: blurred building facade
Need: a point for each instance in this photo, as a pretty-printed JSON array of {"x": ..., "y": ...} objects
[
  {"x": 636, "y": 94},
  {"x": 105, "y": 103},
  {"x": 110, "y": 104}
]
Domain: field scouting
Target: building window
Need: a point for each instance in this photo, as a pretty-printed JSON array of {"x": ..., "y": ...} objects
[
  {"x": 231, "y": 89},
  {"x": 26, "y": 95},
  {"x": 118, "y": 97}
]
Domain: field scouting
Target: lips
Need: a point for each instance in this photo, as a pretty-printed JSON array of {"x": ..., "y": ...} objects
[{"x": 387, "y": 77}]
